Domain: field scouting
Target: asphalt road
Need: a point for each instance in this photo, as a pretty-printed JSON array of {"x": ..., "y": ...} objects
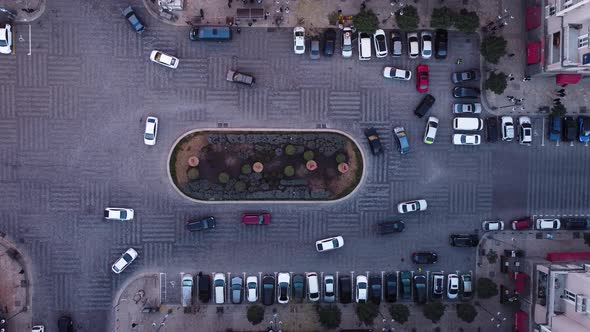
[{"x": 71, "y": 122}]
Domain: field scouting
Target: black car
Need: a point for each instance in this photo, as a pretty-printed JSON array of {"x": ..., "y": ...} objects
[
  {"x": 441, "y": 40},
  {"x": 374, "y": 141},
  {"x": 465, "y": 92},
  {"x": 298, "y": 286},
  {"x": 463, "y": 240},
  {"x": 238, "y": 77},
  {"x": 569, "y": 129},
  {"x": 575, "y": 223},
  {"x": 133, "y": 20},
  {"x": 195, "y": 225},
  {"x": 204, "y": 287},
  {"x": 424, "y": 106},
  {"x": 329, "y": 42},
  {"x": 424, "y": 257},
  {"x": 375, "y": 289},
  {"x": 420, "y": 288},
  {"x": 65, "y": 324},
  {"x": 492, "y": 129},
  {"x": 345, "y": 289},
  {"x": 389, "y": 227},
  {"x": 268, "y": 290},
  {"x": 465, "y": 76},
  {"x": 390, "y": 289}
]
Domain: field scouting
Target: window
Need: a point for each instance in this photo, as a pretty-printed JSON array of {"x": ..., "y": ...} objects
[
  {"x": 583, "y": 41},
  {"x": 569, "y": 296}
]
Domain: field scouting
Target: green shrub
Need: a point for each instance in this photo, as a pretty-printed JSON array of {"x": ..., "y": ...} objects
[
  {"x": 330, "y": 316},
  {"x": 223, "y": 177},
  {"x": 240, "y": 186},
  {"x": 367, "y": 312},
  {"x": 193, "y": 173},
  {"x": 308, "y": 155},
  {"x": 255, "y": 314},
  {"x": 340, "y": 158},
  {"x": 246, "y": 169},
  {"x": 434, "y": 311},
  {"x": 290, "y": 150},
  {"x": 466, "y": 312},
  {"x": 409, "y": 20},
  {"x": 441, "y": 18},
  {"x": 466, "y": 21},
  {"x": 493, "y": 48},
  {"x": 400, "y": 313},
  {"x": 497, "y": 82},
  {"x": 486, "y": 288},
  {"x": 333, "y": 18},
  {"x": 289, "y": 170},
  {"x": 366, "y": 21}
]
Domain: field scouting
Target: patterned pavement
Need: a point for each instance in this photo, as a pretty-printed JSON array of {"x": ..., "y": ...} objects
[{"x": 71, "y": 120}]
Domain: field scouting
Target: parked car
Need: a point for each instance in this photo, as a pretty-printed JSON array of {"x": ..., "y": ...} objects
[
  {"x": 522, "y": 223},
  {"x": 252, "y": 289},
  {"x": 465, "y": 92},
  {"x": 465, "y": 76},
  {"x": 412, "y": 206},
  {"x": 187, "y": 290},
  {"x": 452, "y": 286},
  {"x": 569, "y": 129},
  {"x": 389, "y": 227},
  {"x": 413, "y": 45},
  {"x": 402, "y": 140},
  {"x": 314, "y": 50},
  {"x": 396, "y": 44},
  {"x": 237, "y": 287},
  {"x": 438, "y": 285},
  {"x": 299, "y": 40},
  {"x": 390, "y": 289},
  {"x": 426, "y": 37},
  {"x": 440, "y": 44},
  {"x": 380, "y": 41},
  {"x": 361, "y": 289},
  {"x": 65, "y": 324},
  {"x": 466, "y": 287},
  {"x": 375, "y": 289},
  {"x": 133, "y": 20},
  {"x": 6, "y": 39},
  {"x": 151, "y": 131},
  {"x": 164, "y": 59},
  {"x": 345, "y": 289},
  {"x": 422, "y": 78},
  {"x": 204, "y": 287},
  {"x": 374, "y": 141},
  {"x": 298, "y": 290},
  {"x": 492, "y": 225},
  {"x": 467, "y": 108},
  {"x": 364, "y": 44},
  {"x": 313, "y": 286},
  {"x": 584, "y": 129},
  {"x": 330, "y": 243},
  {"x": 329, "y": 42},
  {"x": 268, "y": 290},
  {"x": 396, "y": 73},
  {"x": 200, "y": 224},
  {"x": 463, "y": 240},
  {"x": 525, "y": 130},
  {"x": 122, "y": 214},
  {"x": 548, "y": 224},
  {"x": 346, "y": 42},
  {"x": 554, "y": 132},
  {"x": 424, "y": 257},
  {"x": 36, "y": 328},
  {"x": 424, "y": 106},
  {"x": 219, "y": 287},
  {"x": 466, "y": 139},
  {"x": 492, "y": 129},
  {"x": 431, "y": 129},
  {"x": 284, "y": 281},
  {"x": 125, "y": 260},
  {"x": 574, "y": 223},
  {"x": 238, "y": 77},
  {"x": 256, "y": 218},
  {"x": 420, "y": 288},
  {"x": 467, "y": 123},
  {"x": 507, "y": 128},
  {"x": 329, "y": 288},
  {"x": 405, "y": 290}
]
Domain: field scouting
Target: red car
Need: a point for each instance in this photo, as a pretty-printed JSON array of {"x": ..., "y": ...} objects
[
  {"x": 522, "y": 223},
  {"x": 261, "y": 218},
  {"x": 422, "y": 78}
]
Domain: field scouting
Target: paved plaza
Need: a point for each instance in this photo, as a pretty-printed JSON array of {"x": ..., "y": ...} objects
[{"x": 71, "y": 122}]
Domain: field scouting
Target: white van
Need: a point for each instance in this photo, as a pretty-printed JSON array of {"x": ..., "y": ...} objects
[
  {"x": 219, "y": 284},
  {"x": 465, "y": 123},
  {"x": 313, "y": 288},
  {"x": 364, "y": 46}
]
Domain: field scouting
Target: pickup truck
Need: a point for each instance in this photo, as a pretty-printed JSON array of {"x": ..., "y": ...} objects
[
  {"x": 406, "y": 280},
  {"x": 195, "y": 225},
  {"x": 237, "y": 77}
]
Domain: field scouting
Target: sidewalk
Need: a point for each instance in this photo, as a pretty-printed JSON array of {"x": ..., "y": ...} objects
[{"x": 25, "y": 10}]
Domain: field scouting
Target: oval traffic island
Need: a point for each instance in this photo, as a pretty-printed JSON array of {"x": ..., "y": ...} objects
[{"x": 221, "y": 165}]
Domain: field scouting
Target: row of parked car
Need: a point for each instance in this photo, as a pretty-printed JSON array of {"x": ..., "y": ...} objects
[{"x": 567, "y": 128}]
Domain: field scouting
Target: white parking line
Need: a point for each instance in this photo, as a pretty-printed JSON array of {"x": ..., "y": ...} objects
[
  {"x": 543, "y": 136},
  {"x": 382, "y": 287}
]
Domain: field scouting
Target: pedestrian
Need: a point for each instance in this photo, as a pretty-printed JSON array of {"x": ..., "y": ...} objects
[
  {"x": 512, "y": 78},
  {"x": 494, "y": 29},
  {"x": 511, "y": 55},
  {"x": 229, "y": 4},
  {"x": 202, "y": 12},
  {"x": 363, "y": 6},
  {"x": 557, "y": 100},
  {"x": 510, "y": 97},
  {"x": 266, "y": 15},
  {"x": 21, "y": 271},
  {"x": 561, "y": 90},
  {"x": 510, "y": 75},
  {"x": 287, "y": 10},
  {"x": 281, "y": 9},
  {"x": 133, "y": 325},
  {"x": 239, "y": 30},
  {"x": 249, "y": 24}
]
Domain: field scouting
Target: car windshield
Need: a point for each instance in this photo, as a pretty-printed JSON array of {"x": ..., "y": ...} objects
[
  {"x": 335, "y": 243},
  {"x": 252, "y": 285},
  {"x": 362, "y": 285},
  {"x": 268, "y": 286},
  {"x": 218, "y": 282},
  {"x": 123, "y": 214},
  {"x": 187, "y": 282},
  {"x": 149, "y": 136}
]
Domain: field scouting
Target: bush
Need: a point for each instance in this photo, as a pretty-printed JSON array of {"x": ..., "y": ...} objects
[
  {"x": 308, "y": 155},
  {"x": 289, "y": 171},
  {"x": 223, "y": 177},
  {"x": 340, "y": 158},
  {"x": 366, "y": 312},
  {"x": 434, "y": 311},
  {"x": 333, "y": 18},
  {"x": 409, "y": 20},
  {"x": 466, "y": 312},
  {"x": 497, "y": 82},
  {"x": 246, "y": 169},
  {"x": 400, "y": 313},
  {"x": 290, "y": 150},
  {"x": 255, "y": 314},
  {"x": 493, "y": 48},
  {"x": 240, "y": 186},
  {"x": 466, "y": 21},
  {"x": 560, "y": 110},
  {"x": 442, "y": 18},
  {"x": 486, "y": 288},
  {"x": 366, "y": 21},
  {"x": 492, "y": 256},
  {"x": 193, "y": 173},
  {"x": 330, "y": 316}
]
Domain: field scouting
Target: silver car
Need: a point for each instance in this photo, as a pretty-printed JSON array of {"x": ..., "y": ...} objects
[
  {"x": 237, "y": 286},
  {"x": 329, "y": 292}
]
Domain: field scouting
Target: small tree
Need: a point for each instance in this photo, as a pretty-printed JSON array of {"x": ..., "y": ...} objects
[
  {"x": 466, "y": 312},
  {"x": 486, "y": 288},
  {"x": 493, "y": 48},
  {"x": 492, "y": 256},
  {"x": 255, "y": 314},
  {"x": 441, "y": 18},
  {"x": 497, "y": 82},
  {"x": 434, "y": 311},
  {"x": 559, "y": 110},
  {"x": 466, "y": 21},
  {"x": 400, "y": 313},
  {"x": 366, "y": 21},
  {"x": 330, "y": 316},
  {"x": 407, "y": 18},
  {"x": 366, "y": 312}
]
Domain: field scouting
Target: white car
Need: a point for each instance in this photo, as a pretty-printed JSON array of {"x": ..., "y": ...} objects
[
  {"x": 380, "y": 41},
  {"x": 492, "y": 225},
  {"x": 299, "y": 40},
  {"x": 329, "y": 244},
  {"x": 467, "y": 108},
  {"x": 6, "y": 39},
  {"x": 346, "y": 42},
  {"x": 412, "y": 206},
  {"x": 361, "y": 289},
  {"x": 252, "y": 289},
  {"x": 525, "y": 130},
  {"x": 122, "y": 214},
  {"x": 426, "y": 37},
  {"x": 452, "y": 286},
  {"x": 151, "y": 130},
  {"x": 431, "y": 128},
  {"x": 413, "y": 45},
  {"x": 329, "y": 290},
  {"x": 507, "y": 128},
  {"x": 396, "y": 73},
  {"x": 283, "y": 287},
  {"x": 466, "y": 139},
  {"x": 164, "y": 59},
  {"x": 129, "y": 256},
  {"x": 219, "y": 284},
  {"x": 548, "y": 224},
  {"x": 38, "y": 328}
]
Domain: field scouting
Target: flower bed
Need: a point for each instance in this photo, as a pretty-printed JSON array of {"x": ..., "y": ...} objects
[{"x": 228, "y": 165}]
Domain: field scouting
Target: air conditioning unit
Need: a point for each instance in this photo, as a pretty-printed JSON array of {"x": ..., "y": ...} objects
[
  {"x": 581, "y": 304},
  {"x": 549, "y": 10}
]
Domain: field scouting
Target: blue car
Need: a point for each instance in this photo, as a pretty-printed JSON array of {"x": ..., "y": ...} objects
[
  {"x": 554, "y": 128},
  {"x": 583, "y": 129},
  {"x": 129, "y": 14},
  {"x": 402, "y": 140}
]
